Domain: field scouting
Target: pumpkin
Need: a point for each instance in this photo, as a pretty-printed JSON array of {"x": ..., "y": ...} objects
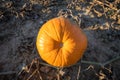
[{"x": 60, "y": 42}]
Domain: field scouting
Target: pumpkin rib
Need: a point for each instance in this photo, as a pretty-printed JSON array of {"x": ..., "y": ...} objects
[
  {"x": 63, "y": 27},
  {"x": 64, "y": 59},
  {"x": 48, "y": 29},
  {"x": 62, "y": 32},
  {"x": 48, "y": 34},
  {"x": 68, "y": 57},
  {"x": 56, "y": 57},
  {"x": 55, "y": 30},
  {"x": 67, "y": 33},
  {"x": 60, "y": 56},
  {"x": 50, "y": 56},
  {"x": 52, "y": 50}
]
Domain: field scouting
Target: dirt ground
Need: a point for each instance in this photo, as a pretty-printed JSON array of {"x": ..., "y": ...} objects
[{"x": 20, "y": 21}]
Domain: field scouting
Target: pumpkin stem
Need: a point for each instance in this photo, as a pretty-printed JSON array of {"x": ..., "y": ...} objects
[{"x": 61, "y": 44}]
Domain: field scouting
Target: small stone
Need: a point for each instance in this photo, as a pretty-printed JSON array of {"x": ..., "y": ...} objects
[{"x": 41, "y": 22}]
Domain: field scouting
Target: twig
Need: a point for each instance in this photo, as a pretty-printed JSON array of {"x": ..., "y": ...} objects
[
  {"x": 58, "y": 74},
  {"x": 25, "y": 68},
  {"x": 32, "y": 74},
  {"x": 40, "y": 75},
  {"x": 88, "y": 68},
  {"x": 92, "y": 4},
  {"x": 9, "y": 72},
  {"x": 38, "y": 70},
  {"x": 78, "y": 74}
]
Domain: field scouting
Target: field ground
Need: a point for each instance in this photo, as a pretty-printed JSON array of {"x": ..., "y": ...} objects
[{"x": 20, "y": 21}]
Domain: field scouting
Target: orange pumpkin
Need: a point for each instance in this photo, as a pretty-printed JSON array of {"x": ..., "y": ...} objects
[{"x": 60, "y": 42}]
